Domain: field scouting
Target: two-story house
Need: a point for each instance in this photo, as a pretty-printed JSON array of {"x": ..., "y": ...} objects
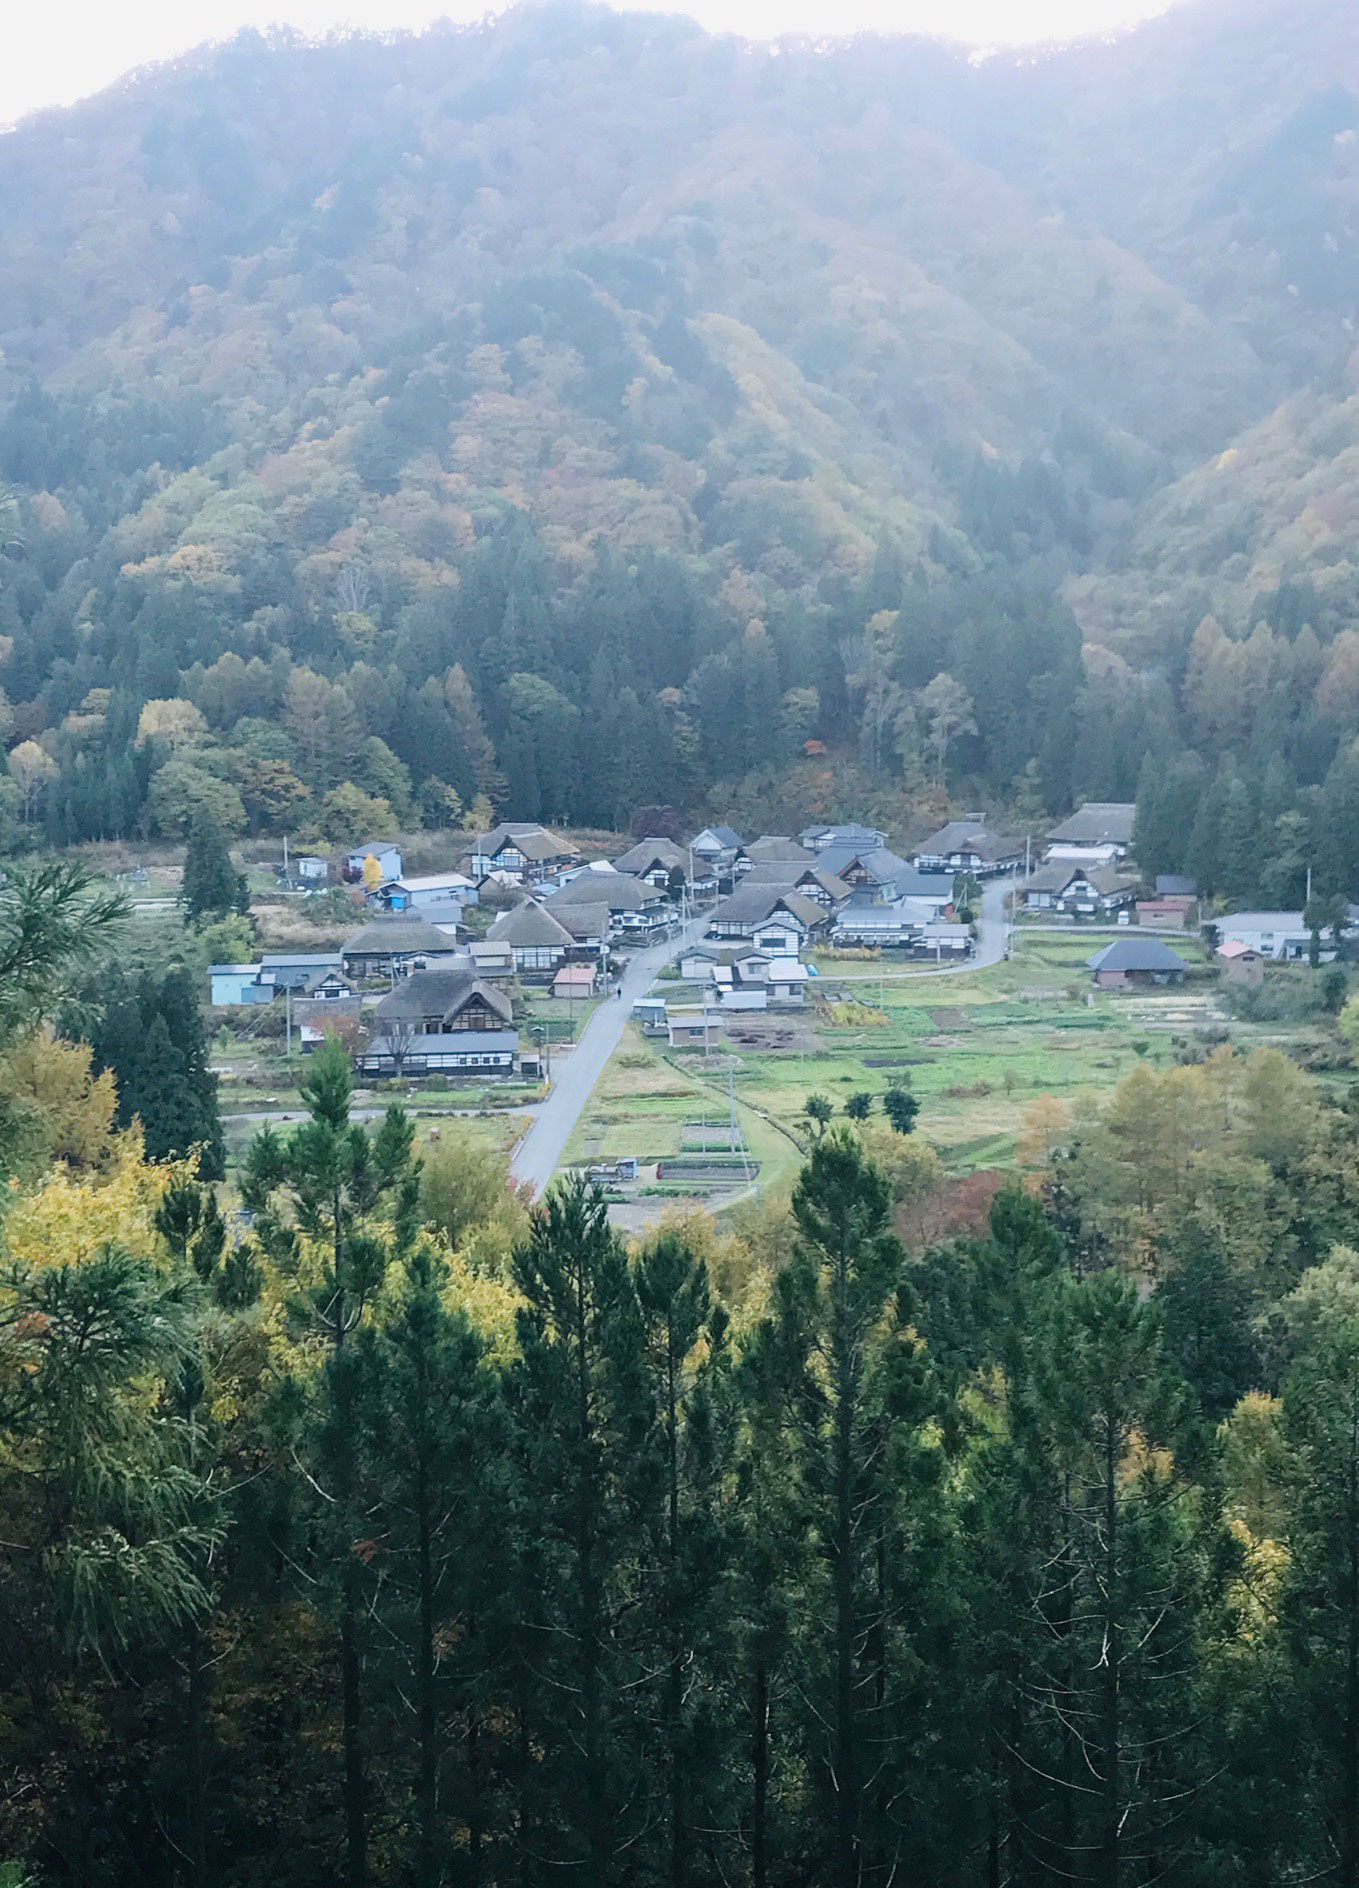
[{"x": 442, "y": 1021}]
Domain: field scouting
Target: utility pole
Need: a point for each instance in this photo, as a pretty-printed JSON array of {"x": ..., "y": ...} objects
[{"x": 288, "y": 1006}]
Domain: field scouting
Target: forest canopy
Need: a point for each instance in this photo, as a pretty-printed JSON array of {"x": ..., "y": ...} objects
[{"x": 544, "y": 413}]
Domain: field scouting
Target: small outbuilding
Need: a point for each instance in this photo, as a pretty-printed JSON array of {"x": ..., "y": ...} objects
[
  {"x": 1241, "y": 964},
  {"x": 1136, "y": 960},
  {"x": 576, "y": 981},
  {"x": 693, "y": 1028}
]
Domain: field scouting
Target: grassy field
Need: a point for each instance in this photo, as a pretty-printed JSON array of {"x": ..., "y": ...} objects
[{"x": 977, "y": 1048}]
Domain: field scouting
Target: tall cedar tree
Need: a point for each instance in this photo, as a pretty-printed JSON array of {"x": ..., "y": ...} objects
[
  {"x": 586, "y": 1430},
  {"x": 103, "y": 1533},
  {"x": 437, "y": 1460},
  {"x": 1321, "y": 1611},
  {"x": 333, "y": 1178},
  {"x": 150, "y": 1032},
  {"x": 687, "y": 1355},
  {"x": 211, "y": 887},
  {"x": 1114, "y": 1594},
  {"x": 220, "y": 1289},
  {"x": 859, "y": 1395}
]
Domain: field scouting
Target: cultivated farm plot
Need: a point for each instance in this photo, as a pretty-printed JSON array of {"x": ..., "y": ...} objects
[
  {"x": 655, "y": 1106},
  {"x": 978, "y": 1048}
]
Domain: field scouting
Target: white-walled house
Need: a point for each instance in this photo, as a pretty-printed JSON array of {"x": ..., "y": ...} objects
[
  {"x": 1280, "y": 936},
  {"x": 1098, "y": 833}
]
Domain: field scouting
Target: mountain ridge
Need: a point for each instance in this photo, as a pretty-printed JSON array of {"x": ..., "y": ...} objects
[{"x": 304, "y": 341}]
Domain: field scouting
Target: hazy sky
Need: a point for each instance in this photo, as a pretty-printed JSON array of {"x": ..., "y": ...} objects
[{"x": 56, "y": 51}]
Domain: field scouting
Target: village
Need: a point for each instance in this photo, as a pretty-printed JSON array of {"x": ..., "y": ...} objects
[{"x": 520, "y": 985}]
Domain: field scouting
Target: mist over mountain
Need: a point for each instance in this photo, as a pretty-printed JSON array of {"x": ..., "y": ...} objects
[{"x": 589, "y": 410}]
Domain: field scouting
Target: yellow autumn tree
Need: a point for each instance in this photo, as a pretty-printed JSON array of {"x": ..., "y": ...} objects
[
  {"x": 172, "y": 721},
  {"x": 69, "y": 1216},
  {"x": 1044, "y": 1126},
  {"x": 58, "y": 1108},
  {"x": 910, "y": 1165}
]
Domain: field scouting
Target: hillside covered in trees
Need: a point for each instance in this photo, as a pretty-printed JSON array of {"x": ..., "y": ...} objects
[{"x": 578, "y": 410}]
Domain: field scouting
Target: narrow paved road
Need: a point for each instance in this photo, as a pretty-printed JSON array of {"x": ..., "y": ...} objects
[
  {"x": 993, "y": 942},
  {"x": 536, "y": 1157}
]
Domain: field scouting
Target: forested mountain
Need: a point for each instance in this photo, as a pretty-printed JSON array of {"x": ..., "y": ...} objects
[{"x": 577, "y": 409}]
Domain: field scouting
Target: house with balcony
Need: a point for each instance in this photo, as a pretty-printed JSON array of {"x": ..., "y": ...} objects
[
  {"x": 538, "y": 942},
  {"x": 875, "y": 875},
  {"x": 769, "y": 917},
  {"x": 394, "y": 947}
]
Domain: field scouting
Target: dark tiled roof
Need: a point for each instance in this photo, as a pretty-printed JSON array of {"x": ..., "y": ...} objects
[{"x": 1136, "y": 953}]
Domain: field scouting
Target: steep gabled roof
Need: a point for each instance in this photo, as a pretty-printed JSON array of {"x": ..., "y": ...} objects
[
  {"x": 584, "y": 921},
  {"x": 527, "y": 927},
  {"x": 1097, "y": 823},
  {"x": 791, "y": 876},
  {"x": 1059, "y": 873},
  {"x": 962, "y": 835},
  {"x": 534, "y": 841},
  {"x": 649, "y": 853},
  {"x": 726, "y": 837},
  {"x": 881, "y": 864},
  {"x": 439, "y": 993},
  {"x": 755, "y": 904},
  {"x": 775, "y": 846},
  {"x": 398, "y": 936},
  {"x": 618, "y": 890}
]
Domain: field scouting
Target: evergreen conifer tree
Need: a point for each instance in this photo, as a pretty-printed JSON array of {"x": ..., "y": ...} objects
[
  {"x": 211, "y": 886},
  {"x": 314, "y": 1198},
  {"x": 587, "y": 1465},
  {"x": 858, "y": 1394}
]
